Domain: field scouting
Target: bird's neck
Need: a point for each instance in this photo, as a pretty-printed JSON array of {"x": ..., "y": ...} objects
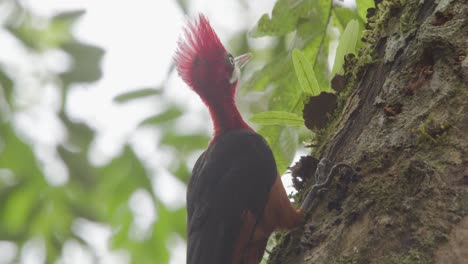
[{"x": 226, "y": 116}]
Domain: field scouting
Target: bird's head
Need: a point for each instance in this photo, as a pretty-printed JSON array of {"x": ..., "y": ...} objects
[{"x": 205, "y": 65}]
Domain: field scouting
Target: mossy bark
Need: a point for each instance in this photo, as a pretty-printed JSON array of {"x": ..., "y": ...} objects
[{"x": 404, "y": 125}]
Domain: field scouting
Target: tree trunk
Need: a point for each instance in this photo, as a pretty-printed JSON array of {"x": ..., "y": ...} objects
[{"x": 404, "y": 126}]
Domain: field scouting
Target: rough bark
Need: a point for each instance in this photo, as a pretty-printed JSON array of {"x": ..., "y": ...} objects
[{"x": 404, "y": 125}]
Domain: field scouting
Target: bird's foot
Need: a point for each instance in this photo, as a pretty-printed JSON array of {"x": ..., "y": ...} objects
[{"x": 323, "y": 178}]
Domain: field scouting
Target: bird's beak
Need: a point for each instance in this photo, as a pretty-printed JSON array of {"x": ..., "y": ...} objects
[
  {"x": 242, "y": 60},
  {"x": 239, "y": 62}
]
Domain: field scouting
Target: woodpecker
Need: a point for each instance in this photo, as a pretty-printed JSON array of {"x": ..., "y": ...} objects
[{"x": 235, "y": 197}]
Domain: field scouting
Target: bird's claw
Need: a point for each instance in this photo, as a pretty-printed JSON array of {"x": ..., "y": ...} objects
[{"x": 323, "y": 179}]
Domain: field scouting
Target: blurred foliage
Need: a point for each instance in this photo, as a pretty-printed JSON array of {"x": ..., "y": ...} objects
[{"x": 32, "y": 206}]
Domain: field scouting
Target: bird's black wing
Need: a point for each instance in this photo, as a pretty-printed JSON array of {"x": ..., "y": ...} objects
[{"x": 233, "y": 175}]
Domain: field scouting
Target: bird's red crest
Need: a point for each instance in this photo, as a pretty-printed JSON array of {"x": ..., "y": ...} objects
[{"x": 199, "y": 41}]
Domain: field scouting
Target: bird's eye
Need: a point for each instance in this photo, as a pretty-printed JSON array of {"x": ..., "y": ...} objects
[{"x": 231, "y": 59}]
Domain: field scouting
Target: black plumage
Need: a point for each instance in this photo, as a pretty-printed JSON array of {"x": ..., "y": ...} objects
[{"x": 234, "y": 174}]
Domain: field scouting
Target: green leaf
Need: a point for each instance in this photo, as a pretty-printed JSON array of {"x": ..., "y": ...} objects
[
  {"x": 136, "y": 94},
  {"x": 305, "y": 73},
  {"x": 79, "y": 134},
  {"x": 343, "y": 16},
  {"x": 69, "y": 16},
  {"x": 162, "y": 229},
  {"x": 185, "y": 143},
  {"x": 362, "y": 6},
  {"x": 117, "y": 182},
  {"x": 168, "y": 115},
  {"x": 283, "y": 142},
  {"x": 314, "y": 25},
  {"x": 48, "y": 34},
  {"x": 80, "y": 137},
  {"x": 284, "y": 18},
  {"x": 346, "y": 45},
  {"x": 6, "y": 84},
  {"x": 86, "y": 63},
  {"x": 14, "y": 154},
  {"x": 277, "y": 118},
  {"x": 321, "y": 69},
  {"x": 179, "y": 223},
  {"x": 183, "y": 5},
  {"x": 151, "y": 249},
  {"x": 181, "y": 171},
  {"x": 19, "y": 208},
  {"x": 279, "y": 75},
  {"x": 120, "y": 237}
]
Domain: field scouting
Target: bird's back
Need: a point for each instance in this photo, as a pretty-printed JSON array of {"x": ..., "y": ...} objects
[{"x": 232, "y": 177}]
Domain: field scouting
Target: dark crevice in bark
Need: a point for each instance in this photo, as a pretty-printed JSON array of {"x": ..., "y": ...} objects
[
  {"x": 372, "y": 81},
  {"x": 425, "y": 11}
]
